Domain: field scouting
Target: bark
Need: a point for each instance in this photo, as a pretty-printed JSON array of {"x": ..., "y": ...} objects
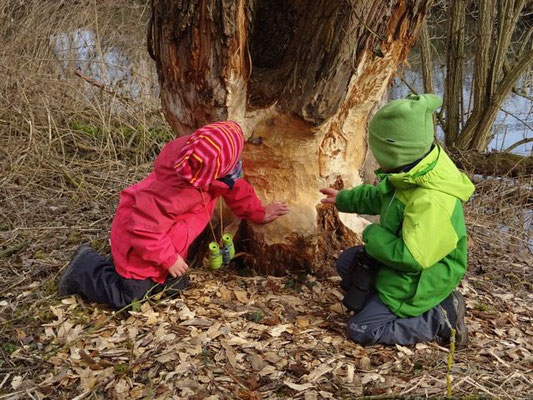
[
  {"x": 426, "y": 59},
  {"x": 454, "y": 74},
  {"x": 494, "y": 78},
  {"x": 302, "y": 81}
]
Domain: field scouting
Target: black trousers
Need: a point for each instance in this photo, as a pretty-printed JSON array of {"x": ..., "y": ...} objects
[{"x": 96, "y": 278}]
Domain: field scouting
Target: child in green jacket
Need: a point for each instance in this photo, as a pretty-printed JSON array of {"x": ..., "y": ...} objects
[{"x": 416, "y": 256}]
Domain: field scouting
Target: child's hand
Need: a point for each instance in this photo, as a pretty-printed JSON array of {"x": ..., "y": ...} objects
[
  {"x": 331, "y": 195},
  {"x": 179, "y": 268},
  {"x": 275, "y": 210}
]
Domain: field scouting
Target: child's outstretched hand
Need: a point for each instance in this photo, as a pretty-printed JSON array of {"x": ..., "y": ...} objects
[
  {"x": 179, "y": 268},
  {"x": 330, "y": 193},
  {"x": 275, "y": 210}
]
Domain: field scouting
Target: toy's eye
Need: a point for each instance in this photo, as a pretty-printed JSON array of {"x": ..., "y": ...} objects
[{"x": 390, "y": 140}]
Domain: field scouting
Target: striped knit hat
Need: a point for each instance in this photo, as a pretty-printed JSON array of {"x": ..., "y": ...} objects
[{"x": 210, "y": 153}]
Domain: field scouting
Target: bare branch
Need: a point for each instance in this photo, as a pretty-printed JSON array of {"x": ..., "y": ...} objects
[
  {"x": 522, "y": 93},
  {"x": 518, "y": 119},
  {"x": 519, "y": 143},
  {"x": 100, "y": 86}
]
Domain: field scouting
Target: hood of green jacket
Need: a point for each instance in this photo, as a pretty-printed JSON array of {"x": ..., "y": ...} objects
[{"x": 436, "y": 172}]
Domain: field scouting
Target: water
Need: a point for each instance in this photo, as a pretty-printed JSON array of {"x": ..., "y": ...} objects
[{"x": 114, "y": 70}]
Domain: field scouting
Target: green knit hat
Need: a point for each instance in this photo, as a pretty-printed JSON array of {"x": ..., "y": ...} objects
[{"x": 402, "y": 131}]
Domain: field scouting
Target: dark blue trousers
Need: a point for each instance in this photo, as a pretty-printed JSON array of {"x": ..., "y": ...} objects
[
  {"x": 376, "y": 323},
  {"x": 96, "y": 278}
]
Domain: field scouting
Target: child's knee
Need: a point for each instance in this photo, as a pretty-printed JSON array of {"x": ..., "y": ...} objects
[{"x": 360, "y": 331}]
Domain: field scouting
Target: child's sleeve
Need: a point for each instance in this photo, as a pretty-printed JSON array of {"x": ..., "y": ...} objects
[
  {"x": 152, "y": 216},
  {"x": 244, "y": 202},
  {"x": 364, "y": 199},
  {"x": 427, "y": 237}
]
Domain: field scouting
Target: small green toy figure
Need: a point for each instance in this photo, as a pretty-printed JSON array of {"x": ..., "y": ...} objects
[{"x": 221, "y": 256}]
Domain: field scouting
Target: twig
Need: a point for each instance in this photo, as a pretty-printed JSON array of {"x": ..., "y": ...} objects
[
  {"x": 101, "y": 86},
  {"x": 519, "y": 119},
  {"x": 522, "y": 93}
]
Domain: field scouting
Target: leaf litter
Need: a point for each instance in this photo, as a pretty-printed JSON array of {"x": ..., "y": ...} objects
[
  {"x": 204, "y": 345},
  {"x": 231, "y": 336}
]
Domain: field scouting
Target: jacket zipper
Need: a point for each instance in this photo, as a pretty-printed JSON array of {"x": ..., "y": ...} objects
[{"x": 388, "y": 206}]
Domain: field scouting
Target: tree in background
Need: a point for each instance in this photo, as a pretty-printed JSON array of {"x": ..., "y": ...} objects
[
  {"x": 301, "y": 80},
  {"x": 503, "y": 54}
]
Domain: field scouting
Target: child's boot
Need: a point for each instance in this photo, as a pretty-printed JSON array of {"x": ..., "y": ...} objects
[
  {"x": 455, "y": 308},
  {"x": 67, "y": 285},
  {"x": 175, "y": 286}
]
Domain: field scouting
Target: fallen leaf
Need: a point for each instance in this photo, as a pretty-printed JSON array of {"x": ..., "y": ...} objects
[
  {"x": 302, "y": 323},
  {"x": 298, "y": 387},
  {"x": 257, "y": 362},
  {"x": 241, "y": 295},
  {"x": 16, "y": 382},
  {"x": 278, "y": 330},
  {"x": 405, "y": 350}
]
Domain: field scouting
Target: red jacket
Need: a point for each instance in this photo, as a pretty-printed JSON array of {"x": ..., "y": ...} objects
[{"x": 159, "y": 217}]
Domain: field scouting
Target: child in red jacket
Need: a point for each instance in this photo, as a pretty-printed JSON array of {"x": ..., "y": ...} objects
[{"x": 158, "y": 218}]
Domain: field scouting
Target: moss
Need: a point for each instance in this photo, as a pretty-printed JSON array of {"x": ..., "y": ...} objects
[
  {"x": 49, "y": 286},
  {"x": 40, "y": 255},
  {"x": 74, "y": 237},
  {"x": 482, "y": 306},
  {"x": 90, "y": 130},
  {"x": 8, "y": 348},
  {"x": 255, "y": 316},
  {"x": 97, "y": 244},
  {"x": 121, "y": 369}
]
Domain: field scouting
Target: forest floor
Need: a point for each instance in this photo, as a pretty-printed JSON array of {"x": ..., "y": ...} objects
[{"x": 234, "y": 336}]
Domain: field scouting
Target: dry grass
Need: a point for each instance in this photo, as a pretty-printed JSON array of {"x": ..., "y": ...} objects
[
  {"x": 73, "y": 133},
  {"x": 68, "y": 147}
]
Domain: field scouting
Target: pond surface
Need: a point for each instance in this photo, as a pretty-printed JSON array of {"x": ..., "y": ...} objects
[{"x": 114, "y": 70}]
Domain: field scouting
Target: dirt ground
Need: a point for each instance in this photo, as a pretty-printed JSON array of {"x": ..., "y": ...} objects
[{"x": 230, "y": 335}]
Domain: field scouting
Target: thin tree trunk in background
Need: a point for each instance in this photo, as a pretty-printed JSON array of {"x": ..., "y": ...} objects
[
  {"x": 426, "y": 58},
  {"x": 427, "y": 64},
  {"x": 303, "y": 82},
  {"x": 454, "y": 76},
  {"x": 494, "y": 79},
  {"x": 483, "y": 134}
]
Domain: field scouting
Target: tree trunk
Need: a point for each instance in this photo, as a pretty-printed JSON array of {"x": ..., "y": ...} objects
[
  {"x": 497, "y": 68},
  {"x": 426, "y": 59},
  {"x": 303, "y": 82},
  {"x": 453, "y": 93}
]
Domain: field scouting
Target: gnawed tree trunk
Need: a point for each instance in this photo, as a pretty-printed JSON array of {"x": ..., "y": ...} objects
[{"x": 302, "y": 79}]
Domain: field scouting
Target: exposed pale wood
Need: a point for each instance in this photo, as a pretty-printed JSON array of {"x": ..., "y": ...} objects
[{"x": 303, "y": 79}]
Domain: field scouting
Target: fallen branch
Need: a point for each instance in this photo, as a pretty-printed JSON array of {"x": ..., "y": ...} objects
[{"x": 101, "y": 86}]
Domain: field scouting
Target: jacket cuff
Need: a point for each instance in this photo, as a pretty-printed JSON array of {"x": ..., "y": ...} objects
[
  {"x": 169, "y": 262},
  {"x": 257, "y": 216},
  {"x": 341, "y": 201}
]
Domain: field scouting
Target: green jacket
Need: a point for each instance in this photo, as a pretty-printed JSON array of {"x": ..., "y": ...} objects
[{"x": 421, "y": 238}]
